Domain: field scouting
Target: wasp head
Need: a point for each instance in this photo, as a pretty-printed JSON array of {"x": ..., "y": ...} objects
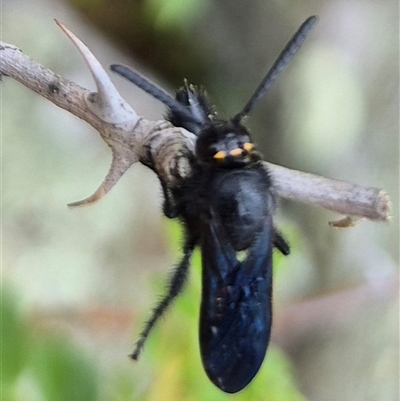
[{"x": 224, "y": 144}]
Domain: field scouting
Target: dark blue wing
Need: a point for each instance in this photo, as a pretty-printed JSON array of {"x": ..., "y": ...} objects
[{"x": 236, "y": 314}]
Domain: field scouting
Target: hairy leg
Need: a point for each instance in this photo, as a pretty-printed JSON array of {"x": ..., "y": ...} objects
[
  {"x": 175, "y": 286},
  {"x": 169, "y": 207},
  {"x": 280, "y": 243}
]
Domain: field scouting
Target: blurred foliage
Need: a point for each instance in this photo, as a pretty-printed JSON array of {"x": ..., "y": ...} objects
[
  {"x": 149, "y": 29},
  {"x": 39, "y": 364},
  {"x": 167, "y": 13}
]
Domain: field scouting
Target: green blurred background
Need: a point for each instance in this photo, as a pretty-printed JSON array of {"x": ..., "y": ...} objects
[{"x": 78, "y": 284}]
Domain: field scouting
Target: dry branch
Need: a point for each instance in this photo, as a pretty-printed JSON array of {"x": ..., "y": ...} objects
[{"x": 164, "y": 147}]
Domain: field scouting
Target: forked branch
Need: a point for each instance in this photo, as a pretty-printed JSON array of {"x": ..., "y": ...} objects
[{"x": 164, "y": 147}]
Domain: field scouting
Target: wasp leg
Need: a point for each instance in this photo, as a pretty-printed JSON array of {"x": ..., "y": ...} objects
[
  {"x": 170, "y": 209},
  {"x": 280, "y": 243},
  {"x": 175, "y": 286}
]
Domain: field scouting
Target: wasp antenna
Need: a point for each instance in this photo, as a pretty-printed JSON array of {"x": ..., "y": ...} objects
[
  {"x": 280, "y": 64},
  {"x": 153, "y": 90}
]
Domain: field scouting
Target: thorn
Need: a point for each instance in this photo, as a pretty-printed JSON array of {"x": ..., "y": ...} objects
[
  {"x": 119, "y": 165},
  {"x": 107, "y": 104}
]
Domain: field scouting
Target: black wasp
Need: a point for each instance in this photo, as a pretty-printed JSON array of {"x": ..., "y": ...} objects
[{"x": 226, "y": 208}]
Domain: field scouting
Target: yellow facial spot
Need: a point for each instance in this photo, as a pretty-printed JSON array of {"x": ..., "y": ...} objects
[
  {"x": 248, "y": 146},
  {"x": 220, "y": 155},
  {"x": 236, "y": 152}
]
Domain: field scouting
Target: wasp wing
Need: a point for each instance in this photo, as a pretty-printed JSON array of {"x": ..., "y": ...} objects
[{"x": 236, "y": 313}]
